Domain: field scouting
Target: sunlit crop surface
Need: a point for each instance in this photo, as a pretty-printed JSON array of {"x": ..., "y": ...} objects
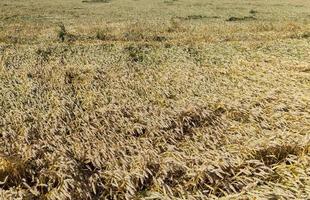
[{"x": 154, "y": 99}]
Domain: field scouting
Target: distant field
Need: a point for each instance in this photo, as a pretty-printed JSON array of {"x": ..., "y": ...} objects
[{"x": 154, "y": 99}]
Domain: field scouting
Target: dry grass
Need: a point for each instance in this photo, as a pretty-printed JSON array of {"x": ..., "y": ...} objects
[{"x": 154, "y": 99}]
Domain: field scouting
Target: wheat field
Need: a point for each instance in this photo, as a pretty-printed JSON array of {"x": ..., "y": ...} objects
[{"x": 154, "y": 99}]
